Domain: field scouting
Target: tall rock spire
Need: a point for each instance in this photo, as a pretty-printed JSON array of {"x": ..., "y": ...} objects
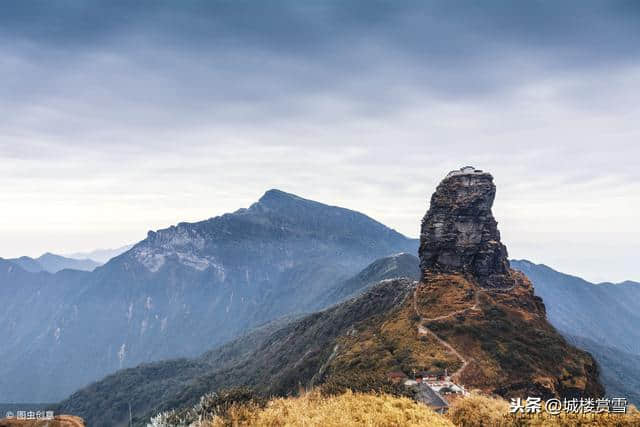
[{"x": 459, "y": 233}]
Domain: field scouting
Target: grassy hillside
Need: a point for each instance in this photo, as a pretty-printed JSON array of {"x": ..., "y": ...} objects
[
  {"x": 510, "y": 347},
  {"x": 390, "y": 342},
  {"x": 274, "y": 362},
  {"x": 497, "y": 341}
]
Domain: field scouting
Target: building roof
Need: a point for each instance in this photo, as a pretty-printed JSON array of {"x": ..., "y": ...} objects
[
  {"x": 397, "y": 374},
  {"x": 465, "y": 171},
  {"x": 428, "y": 396}
]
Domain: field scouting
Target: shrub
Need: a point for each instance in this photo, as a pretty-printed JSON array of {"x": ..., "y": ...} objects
[
  {"x": 210, "y": 406},
  {"x": 477, "y": 410}
]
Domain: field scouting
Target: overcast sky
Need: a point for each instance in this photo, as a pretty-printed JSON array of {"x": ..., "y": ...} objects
[{"x": 120, "y": 117}]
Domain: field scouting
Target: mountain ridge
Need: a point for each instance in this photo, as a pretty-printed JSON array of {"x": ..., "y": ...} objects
[
  {"x": 479, "y": 320},
  {"x": 245, "y": 361},
  {"x": 100, "y": 255},
  {"x": 194, "y": 285},
  {"x": 588, "y": 309},
  {"x": 52, "y": 263}
]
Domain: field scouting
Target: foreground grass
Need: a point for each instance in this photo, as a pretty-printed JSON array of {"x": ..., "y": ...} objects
[
  {"x": 347, "y": 409},
  {"x": 315, "y": 409},
  {"x": 59, "y": 421},
  {"x": 482, "y": 411}
]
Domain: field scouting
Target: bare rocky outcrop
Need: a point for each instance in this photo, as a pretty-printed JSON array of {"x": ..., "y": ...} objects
[{"x": 459, "y": 233}]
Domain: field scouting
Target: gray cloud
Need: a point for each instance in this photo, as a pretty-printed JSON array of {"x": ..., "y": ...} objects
[
  {"x": 251, "y": 52},
  {"x": 123, "y": 116}
]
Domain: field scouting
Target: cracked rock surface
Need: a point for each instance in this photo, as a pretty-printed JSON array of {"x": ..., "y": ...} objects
[{"x": 459, "y": 233}]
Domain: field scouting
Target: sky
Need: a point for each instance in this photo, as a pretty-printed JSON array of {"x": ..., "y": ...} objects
[{"x": 122, "y": 117}]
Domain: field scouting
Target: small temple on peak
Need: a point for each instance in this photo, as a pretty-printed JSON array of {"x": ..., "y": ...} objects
[{"x": 466, "y": 170}]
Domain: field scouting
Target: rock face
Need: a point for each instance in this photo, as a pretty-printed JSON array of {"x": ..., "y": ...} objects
[{"x": 459, "y": 233}]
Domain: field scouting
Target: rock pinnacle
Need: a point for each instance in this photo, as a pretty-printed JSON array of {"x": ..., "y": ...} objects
[{"x": 459, "y": 233}]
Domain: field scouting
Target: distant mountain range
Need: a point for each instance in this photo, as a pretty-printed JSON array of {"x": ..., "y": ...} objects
[
  {"x": 179, "y": 292},
  {"x": 601, "y": 312},
  {"x": 100, "y": 255},
  {"x": 600, "y": 318},
  {"x": 83, "y": 261},
  {"x": 619, "y": 370},
  {"x": 195, "y": 286},
  {"x": 467, "y": 313},
  {"x": 391, "y": 267},
  {"x": 52, "y": 263}
]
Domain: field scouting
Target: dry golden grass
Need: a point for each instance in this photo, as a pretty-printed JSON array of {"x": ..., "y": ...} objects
[
  {"x": 477, "y": 410},
  {"x": 58, "y": 421},
  {"x": 482, "y": 411},
  {"x": 389, "y": 345},
  {"x": 377, "y": 410},
  {"x": 348, "y": 409},
  {"x": 442, "y": 294},
  {"x": 507, "y": 340}
]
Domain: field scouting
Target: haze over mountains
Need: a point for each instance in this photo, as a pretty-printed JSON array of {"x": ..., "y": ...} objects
[
  {"x": 188, "y": 379},
  {"x": 181, "y": 291},
  {"x": 467, "y": 295},
  {"x": 600, "y": 318},
  {"x": 192, "y": 287},
  {"x": 100, "y": 255},
  {"x": 53, "y": 263},
  {"x": 84, "y": 261},
  {"x": 601, "y": 312}
]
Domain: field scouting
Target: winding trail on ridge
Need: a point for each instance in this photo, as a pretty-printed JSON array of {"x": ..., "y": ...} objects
[{"x": 423, "y": 330}]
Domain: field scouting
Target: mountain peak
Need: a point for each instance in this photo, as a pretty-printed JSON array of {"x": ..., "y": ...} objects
[
  {"x": 459, "y": 233},
  {"x": 275, "y": 197},
  {"x": 274, "y": 192}
]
